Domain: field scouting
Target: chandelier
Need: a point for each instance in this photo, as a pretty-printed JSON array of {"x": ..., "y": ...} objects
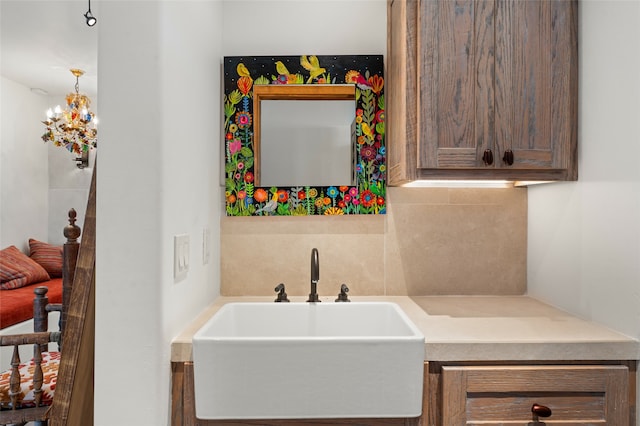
[{"x": 73, "y": 128}]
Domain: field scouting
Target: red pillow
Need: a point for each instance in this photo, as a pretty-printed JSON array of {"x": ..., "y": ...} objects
[
  {"x": 18, "y": 270},
  {"x": 48, "y": 256}
]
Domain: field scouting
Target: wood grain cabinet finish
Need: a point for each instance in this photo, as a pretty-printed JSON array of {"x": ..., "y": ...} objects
[
  {"x": 482, "y": 89},
  {"x": 498, "y": 395}
]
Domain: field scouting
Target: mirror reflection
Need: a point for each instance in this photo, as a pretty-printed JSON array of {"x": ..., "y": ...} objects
[
  {"x": 303, "y": 135},
  {"x": 334, "y": 109},
  {"x": 298, "y": 149}
]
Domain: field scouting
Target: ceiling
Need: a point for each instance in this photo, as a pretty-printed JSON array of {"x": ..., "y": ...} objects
[{"x": 41, "y": 40}]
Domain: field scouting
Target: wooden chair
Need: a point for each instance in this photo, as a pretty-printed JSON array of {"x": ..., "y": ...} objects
[{"x": 73, "y": 398}]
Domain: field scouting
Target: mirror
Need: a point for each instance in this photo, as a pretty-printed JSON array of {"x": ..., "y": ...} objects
[
  {"x": 304, "y": 135},
  {"x": 288, "y": 133}
]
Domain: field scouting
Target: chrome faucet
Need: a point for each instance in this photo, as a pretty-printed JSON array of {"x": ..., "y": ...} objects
[{"x": 315, "y": 276}]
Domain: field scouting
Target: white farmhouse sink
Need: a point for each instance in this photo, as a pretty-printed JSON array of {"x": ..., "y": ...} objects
[{"x": 308, "y": 360}]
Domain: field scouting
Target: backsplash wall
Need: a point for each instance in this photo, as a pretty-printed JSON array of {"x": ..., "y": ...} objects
[{"x": 432, "y": 241}]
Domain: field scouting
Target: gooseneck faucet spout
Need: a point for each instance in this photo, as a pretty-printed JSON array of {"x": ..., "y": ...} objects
[{"x": 315, "y": 276}]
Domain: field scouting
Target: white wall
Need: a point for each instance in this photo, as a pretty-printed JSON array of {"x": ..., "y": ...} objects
[
  {"x": 23, "y": 167},
  {"x": 39, "y": 182},
  {"x": 159, "y": 85},
  {"x": 68, "y": 185},
  {"x": 159, "y": 167},
  {"x": 311, "y": 27},
  {"x": 584, "y": 237}
]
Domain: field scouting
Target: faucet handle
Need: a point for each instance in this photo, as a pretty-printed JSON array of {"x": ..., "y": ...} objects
[
  {"x": 342, "y": 297},
  {"x": 282, "y": 295}
]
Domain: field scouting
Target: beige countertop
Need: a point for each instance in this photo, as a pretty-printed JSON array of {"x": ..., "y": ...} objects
[{"x": 477, "y": 328}]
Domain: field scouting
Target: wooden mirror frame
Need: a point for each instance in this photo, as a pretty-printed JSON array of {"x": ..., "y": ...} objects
[
  {"x": 249, "y": 80},
  {"x": 291, "y": 92}
]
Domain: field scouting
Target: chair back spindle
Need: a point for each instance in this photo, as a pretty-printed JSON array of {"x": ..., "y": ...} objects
[{"x": 70, "y": 258}]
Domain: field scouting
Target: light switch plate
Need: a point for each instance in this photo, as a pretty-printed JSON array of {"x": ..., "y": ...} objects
[{"x": 181, "y": 257}]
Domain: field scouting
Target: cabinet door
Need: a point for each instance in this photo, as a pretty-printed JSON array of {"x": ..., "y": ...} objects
[
  {"x": 536, "y": 82},
  {"x": 497, "y": 395},
  {"x": 456, "y": 79}
]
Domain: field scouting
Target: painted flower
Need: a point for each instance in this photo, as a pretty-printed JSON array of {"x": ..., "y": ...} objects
[
  {"x": 342, "y": 204},
  {"x": 231, "y": 198},
  {"x": 243, "y": 119},
  {"x": 235, "y": 146},
  {"x": 380, "y": 201},
  {"x": 283, "y": 196},
  {"x": 347, "y": 198},
  {"x": 248, "y": 177},
  {"x": 382, "y": 150},
  {"x": 313, "y": 193},
  {"x": 326, "y": 201},
  {"x": 383, "y": 168},
  {"x": 242, "y": 194},
  {"x": 377, "y": 83},
  {"x": 353, "y": 192},
  {"x": 244, "y": 84},
  {"x": 322, "y": 80},
  {"x": 380, "y": 116},
  {"x": 237, "y": 176},
  {"x": 343, "y": 188},
  {"x": 282, "y": 79},
  {"x": 351, "y": 76},
  {"x": 240, "y": 165},
  {"x": 302, "y": 195},
  {"x": 228, "y": 136},
  {"x": 358, "y": 119},
  {"x": 367, "y": 198},
  {"x": 233, "y": 128},
  {"x": 368, "y": 153},
  {"x": 260, "y": 195},
  {"x": 359, "y": 112},
  {"x": 332, "y": 192},
  {"x": 333, "y": 211},
  {"x": 361, "y": 140},
  {"x": 319, "y": 202},
  {"x": 359, "y": 168}
]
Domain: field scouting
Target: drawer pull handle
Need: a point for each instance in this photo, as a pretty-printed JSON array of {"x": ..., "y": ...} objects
[
  {"x": 487, "y": 157},
  {"x": 541, "y": 410},
  {"x": 508, "y": 157}
]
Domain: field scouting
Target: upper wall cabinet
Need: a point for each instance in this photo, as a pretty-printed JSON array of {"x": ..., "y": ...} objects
[{"x": 482, "y": 89}]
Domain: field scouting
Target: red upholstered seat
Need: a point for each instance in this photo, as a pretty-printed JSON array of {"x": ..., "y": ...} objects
[{"x": 16, "y": 305}]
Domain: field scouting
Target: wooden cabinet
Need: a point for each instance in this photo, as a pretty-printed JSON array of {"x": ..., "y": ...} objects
[
  {"x": 505, "y": 394},
  {"x": 471, "y": 393},
  {"x": 482, "y": 89}
]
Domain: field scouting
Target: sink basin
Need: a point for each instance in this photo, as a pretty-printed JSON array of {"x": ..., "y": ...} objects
[{"x": 308, "y": 360}]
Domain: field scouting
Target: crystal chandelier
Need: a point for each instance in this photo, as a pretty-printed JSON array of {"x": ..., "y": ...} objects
[{"x": 74, "y": 127}]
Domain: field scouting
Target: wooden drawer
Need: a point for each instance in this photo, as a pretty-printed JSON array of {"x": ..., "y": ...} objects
[{"x": 497, "y": 395}]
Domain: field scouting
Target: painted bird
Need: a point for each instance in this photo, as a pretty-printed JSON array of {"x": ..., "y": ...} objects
[
  {"x": 312, "y": 65},
  {"x": 270, "y": 206},
  {"x": 242, "y": 70},
  {"x": 281, "y": 68},
  {"x": 366, "y": 129}
]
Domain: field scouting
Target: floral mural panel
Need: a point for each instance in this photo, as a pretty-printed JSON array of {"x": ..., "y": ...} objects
[{"x": 366, "y": 195}]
